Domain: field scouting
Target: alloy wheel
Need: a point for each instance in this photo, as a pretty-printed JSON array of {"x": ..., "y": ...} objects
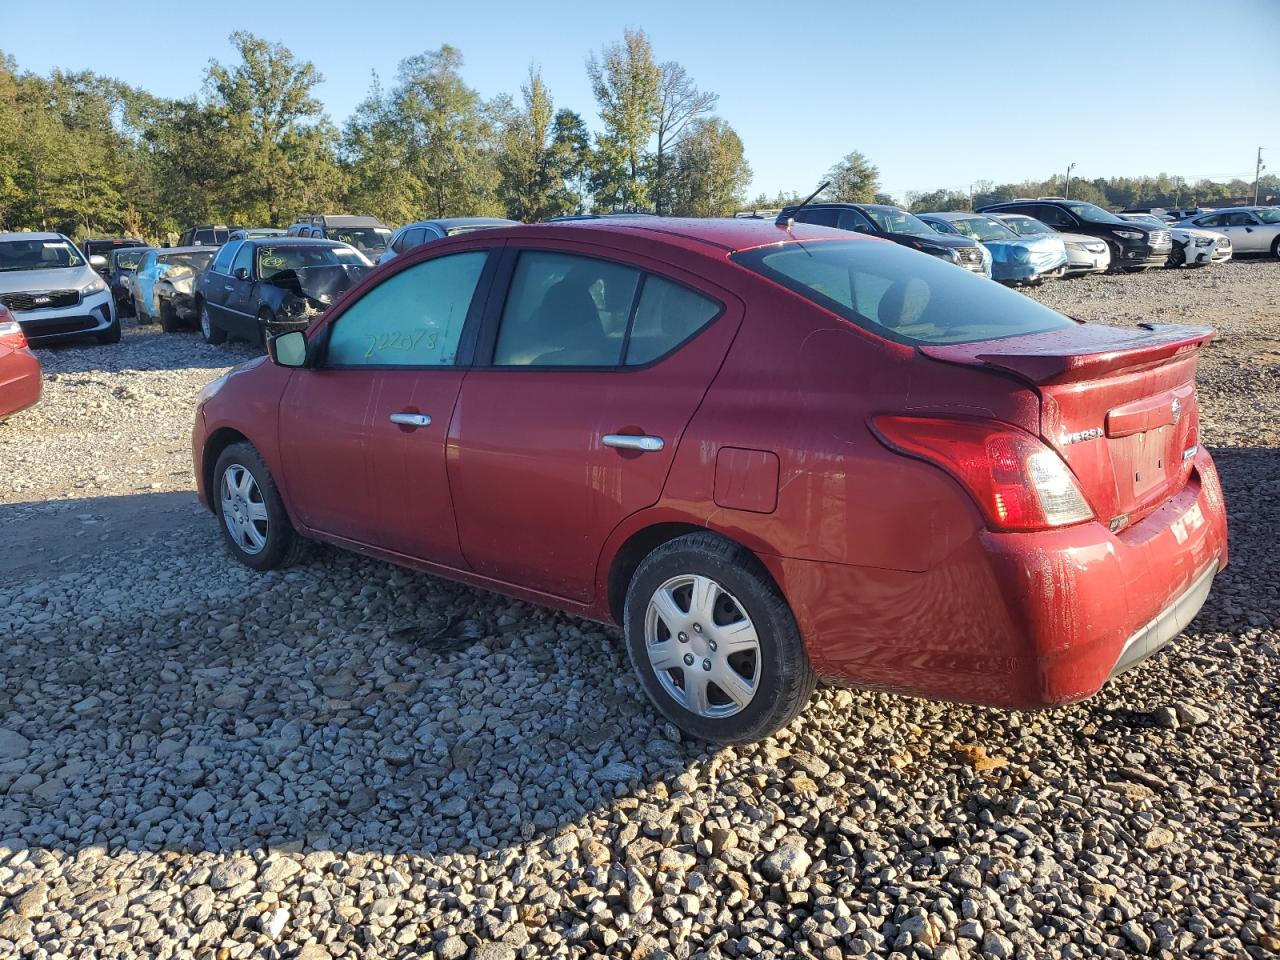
[
  {"x": 243, "y": 510},
  {"x": 703, "y": 647}
]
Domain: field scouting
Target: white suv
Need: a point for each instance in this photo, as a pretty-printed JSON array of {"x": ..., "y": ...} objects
[{"x": 53, "y": 291}]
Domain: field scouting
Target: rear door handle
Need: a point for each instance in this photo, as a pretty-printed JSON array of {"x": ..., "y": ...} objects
[
  {"x": 411, "y": 419},
  {"x": 627, "y": 441}
]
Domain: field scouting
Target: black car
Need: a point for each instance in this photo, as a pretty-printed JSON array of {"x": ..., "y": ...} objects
[
  {"x": 1134, "y": 246},
  {"x": 882, "y": 220},
  {"x": 105, "y": 246},
  {"x": 206, "y": 235},
  {"x": 274, "y": 282},
  {"x": 369, "y": 235},
  {"x": 122, "y": 262}
]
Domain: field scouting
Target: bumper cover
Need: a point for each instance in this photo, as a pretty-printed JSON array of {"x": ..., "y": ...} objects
[{"x": 94, "y": 314}]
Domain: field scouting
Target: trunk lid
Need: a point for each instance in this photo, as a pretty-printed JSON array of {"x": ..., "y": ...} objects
[{"x": 1118, "y": 404}]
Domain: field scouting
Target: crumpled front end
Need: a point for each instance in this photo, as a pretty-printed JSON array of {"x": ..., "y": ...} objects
[{"x": 1026, "y": 261}]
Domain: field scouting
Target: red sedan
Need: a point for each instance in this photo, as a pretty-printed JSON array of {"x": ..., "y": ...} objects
[
  {"x": 20, "y": 383},
  {"x": 769, "y": 455}
]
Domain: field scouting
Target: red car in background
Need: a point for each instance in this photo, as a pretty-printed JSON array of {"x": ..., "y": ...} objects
[
  {"x": 769, "y": 454},
  {"x": 20, "y": 383}
]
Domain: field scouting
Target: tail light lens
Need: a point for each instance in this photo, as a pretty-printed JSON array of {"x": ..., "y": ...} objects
[
  {"x": 1018, "y": 482},
  {"x": 11, "y": 334}
]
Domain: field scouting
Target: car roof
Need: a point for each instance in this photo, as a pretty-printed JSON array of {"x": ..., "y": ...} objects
[
  {"x": 282, "y": 241},
  {"x": 198, "y": 248},
  {"x": 448, "y": 222},
  {"x": 40, "y": 235},
  {"x": 340, "y": 220},
  {"x": 952, "y": 214},
  {"x": 724, "y": 234}
]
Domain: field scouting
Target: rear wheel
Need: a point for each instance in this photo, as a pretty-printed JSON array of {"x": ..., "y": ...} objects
[
  {"x": 211, "y": 334},
  {"x": 255, "y": 524},
  {"x": 713, "y": 641}
]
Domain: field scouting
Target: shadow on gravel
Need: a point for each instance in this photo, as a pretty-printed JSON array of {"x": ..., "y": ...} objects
[{"x": 146, "y": 348}]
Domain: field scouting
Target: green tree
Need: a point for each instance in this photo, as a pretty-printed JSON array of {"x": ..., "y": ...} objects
[
  {"x": 626, "y": 83},
  {"x": 542, "y": 156},
  {"x": 680, "y": 104},
  {"x": 937, "y": 200},
  {"x": 854, "y": 179},
  {"x": 711, "y": 172}
]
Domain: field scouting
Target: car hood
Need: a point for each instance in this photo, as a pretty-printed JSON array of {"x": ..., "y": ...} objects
[
  {"x": 933, "y": 239},
  {"x": 1079, "y": 238},
  {"x": 59, "y": 278},
  {"x": 321, "y": 284}
]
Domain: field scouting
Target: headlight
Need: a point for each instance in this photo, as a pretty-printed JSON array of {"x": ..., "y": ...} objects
[
  {"x": 209, "y": 389},
  {"x": 1129, "y": 234},
  {"x": 947, "y": 253},
  {"x": 96, "y": 285},
  {"x": 1072, "y": 245},
  {"x": 1021, "y": 253}
]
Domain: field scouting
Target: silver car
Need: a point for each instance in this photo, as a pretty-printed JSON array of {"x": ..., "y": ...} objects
[
  {"x": 1251, "y": 229},
  {"x": 53, "y": 291},
  {"x": 1085, "y": 254},
  {"x": 424, "y": 231}
]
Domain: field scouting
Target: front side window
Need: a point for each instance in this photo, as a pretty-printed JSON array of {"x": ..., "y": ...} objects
[
  {"x": 1240, "y": 219},
  {"x": 1215, "y": 220},
  {"x": 243, "y": 260},
  {"x": 892, "y": 292},
  {"x": 667, "y": 315},
  {"x": 565, "y": 310},
  {"x": 412, "y": 319},
  {"x": 222, "y": 262},
  {"x": 897, "y": 221},
  {"x": 1055, "y": 216}
]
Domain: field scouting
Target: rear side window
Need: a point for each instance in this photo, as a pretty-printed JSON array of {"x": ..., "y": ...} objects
[
  {"x": 666, "y": 316},
  {"x": 565, "y": 310},
  {"x": 899, "y": 295},
  {"x": 412, "y": 319}
]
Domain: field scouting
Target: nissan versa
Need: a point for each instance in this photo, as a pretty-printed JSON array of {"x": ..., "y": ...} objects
[{"x": 770, "y": 455}]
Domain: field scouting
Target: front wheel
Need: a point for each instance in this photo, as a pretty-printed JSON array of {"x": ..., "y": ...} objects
[
  {"x": 211, "y": 334},
  {"x": 713, "y": 641},
  {"x": 1275, "y": 246},
  {"x": 1177, "y": 256},
  {"x": 255, "y": 524},
  {"x": 169, "y": 321}
]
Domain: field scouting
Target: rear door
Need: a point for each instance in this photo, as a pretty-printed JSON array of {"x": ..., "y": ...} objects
[
  {"x": 363, "y": 434},
  {"x": 593, "y": 364}
]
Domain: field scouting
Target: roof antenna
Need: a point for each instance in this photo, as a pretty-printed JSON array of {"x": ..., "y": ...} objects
[{"x": 791, "y": 214}]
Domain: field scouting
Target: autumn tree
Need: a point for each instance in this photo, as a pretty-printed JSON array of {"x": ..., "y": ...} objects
[
  {"x": 710, "y": 171},
  {"x": 626, "y": 83},
  {"x": 680, "y": 104}
]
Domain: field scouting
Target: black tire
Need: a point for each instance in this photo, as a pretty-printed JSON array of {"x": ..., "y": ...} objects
[
  {"x": 281, "y": 544},
  {"x": 111, "y": 334},
  {"x": 211, "y": 332},
  {"x": 169, "y": 321},
  {"x": 1177, "y": 256},
  {"x": 1117, "y": 258},
  {"x": 1275, "y": 247},
  {"x": 785, "y": 678}
]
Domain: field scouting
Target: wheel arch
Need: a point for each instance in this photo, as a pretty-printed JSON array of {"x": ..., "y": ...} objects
[{"x": 214, "y": 444}]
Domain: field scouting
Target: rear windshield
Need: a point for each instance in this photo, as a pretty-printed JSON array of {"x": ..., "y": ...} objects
[
  {"x": 364, "y": 239},
  {"x": 900, "y": 294}
]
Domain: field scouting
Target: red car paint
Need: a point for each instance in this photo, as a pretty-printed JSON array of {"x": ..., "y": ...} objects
[
  {"x": 896, "y": 577},
  {"x": 20, "y": 382}
]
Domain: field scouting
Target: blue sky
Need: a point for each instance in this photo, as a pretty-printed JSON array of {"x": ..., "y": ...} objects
[{"x": 935, "y": 93}]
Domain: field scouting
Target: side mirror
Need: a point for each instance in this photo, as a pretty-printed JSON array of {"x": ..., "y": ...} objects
[
  {"x": 288, "y": 349},
  {"x": 242, "y": 273},
  {"x": 98, "y": 262}
]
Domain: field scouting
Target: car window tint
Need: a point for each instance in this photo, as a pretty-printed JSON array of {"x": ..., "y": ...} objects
[
  {"x": 565, "y": 310},
  {"x": 889, "y": 290},
  {"x": 666, "y": 316},
  {"x": 816, "y": 215},
  {"x": 1240, "y": 219},
  {"x": 243, "y": 258},
  {"x": 222, "y": 262},
  {"x": 1212, "y": 221},
  {"x": 1054, "y": 216},
  {"x": 413, "y": 318},
  {"x": 853, "y": 220},
  {"x": 415, "y": 238}
]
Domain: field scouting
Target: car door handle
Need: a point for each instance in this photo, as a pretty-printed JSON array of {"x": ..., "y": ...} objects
[
  {"x": 411, "y": 419},
  {"x": 227, "y": 286},
  {"x": 627, "y": 441}
]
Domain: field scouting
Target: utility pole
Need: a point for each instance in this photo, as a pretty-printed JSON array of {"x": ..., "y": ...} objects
[
  {"x": 1257, "y": 175},
  {"x": 1066, "y": 192}
]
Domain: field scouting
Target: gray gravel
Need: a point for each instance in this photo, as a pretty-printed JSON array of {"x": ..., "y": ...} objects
[{"x": 350, "y": 760}]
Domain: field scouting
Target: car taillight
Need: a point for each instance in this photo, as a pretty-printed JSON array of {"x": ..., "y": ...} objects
[
  {"x": 1018, "y": 482},
  {"x": 11, "y": 334}
]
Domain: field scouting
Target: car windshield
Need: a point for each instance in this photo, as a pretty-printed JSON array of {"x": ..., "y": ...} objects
[
  {"x": 38, "y": 255},
  {"x": 1028, "y": 226},
  {"x": 941, "y": 226},
  {"x": 1092, "y": 213},
  {"x": 196, "y": 260},
  {"x": 273, "y": 259},
  {"x": 889, "y": 290},
  {"x": 128, "y": 259},
  {"x": 897, "y": 221},
  {"x": 365, "y": 239},
  {"x": 983, "y": 228},
  {"x": 1270, "y": 215},
  {"x": 1145, "y": 218}
]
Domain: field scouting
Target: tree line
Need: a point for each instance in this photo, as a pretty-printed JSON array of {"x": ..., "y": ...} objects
[
  {"x": 90, "y": 155},
  {"x": 87, "y": 154}
]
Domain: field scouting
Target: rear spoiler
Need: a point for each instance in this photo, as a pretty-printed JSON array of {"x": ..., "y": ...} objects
[{"x": 1084, "y": 352}]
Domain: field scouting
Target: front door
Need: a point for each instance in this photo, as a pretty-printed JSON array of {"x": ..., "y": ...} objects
[
  {"x": 236, "y": 289},
  {"x": 363, "y": 433},
  {"x": 596, "y": 369},
  {"x": 1243, "y": 229}
]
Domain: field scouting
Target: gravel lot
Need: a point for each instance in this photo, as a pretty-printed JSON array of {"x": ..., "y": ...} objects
[{"x": 350, "y": 760}]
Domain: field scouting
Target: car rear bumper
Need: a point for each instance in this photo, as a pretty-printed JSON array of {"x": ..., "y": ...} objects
[
  {"x": 1018, "y": 620},
  {"x": 93, "y": 314},
  {"x": 20, "y": 382}
]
